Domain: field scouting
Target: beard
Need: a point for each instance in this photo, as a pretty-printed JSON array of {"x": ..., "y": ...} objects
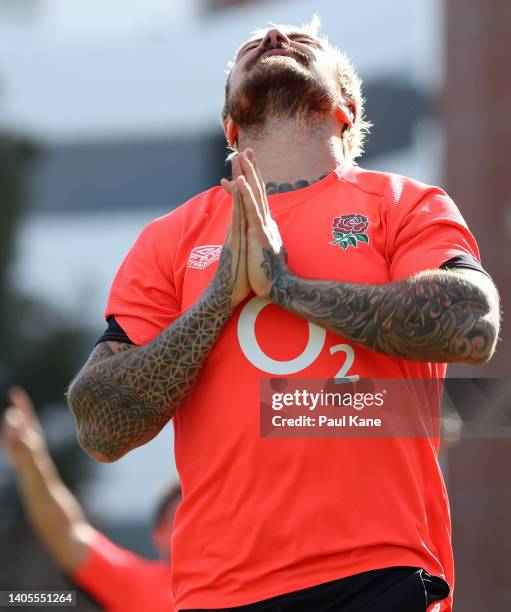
[{"x": 280, "y": 87}]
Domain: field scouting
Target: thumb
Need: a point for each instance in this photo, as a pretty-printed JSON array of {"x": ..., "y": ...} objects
[{"x": 228, "y": 186}]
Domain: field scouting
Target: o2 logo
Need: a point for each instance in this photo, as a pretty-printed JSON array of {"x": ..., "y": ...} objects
[{"x": 256, "y": 356}]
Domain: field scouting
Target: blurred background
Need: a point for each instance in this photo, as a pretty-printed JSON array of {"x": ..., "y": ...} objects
[{"x": 109, "y": 117}]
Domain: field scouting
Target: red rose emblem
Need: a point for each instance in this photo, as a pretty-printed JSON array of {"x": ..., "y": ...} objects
[
  {"x": 350, "y": 224},
  {"x": 349, "y": 231}
]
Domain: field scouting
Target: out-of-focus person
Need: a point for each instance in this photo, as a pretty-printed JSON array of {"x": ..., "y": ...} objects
[{"x": 118, "y": 579}]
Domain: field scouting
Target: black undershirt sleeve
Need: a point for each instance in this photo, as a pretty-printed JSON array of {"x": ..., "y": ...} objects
[
  {"x": 114, "y": 332},
  {"x": 464, "y": 261}
]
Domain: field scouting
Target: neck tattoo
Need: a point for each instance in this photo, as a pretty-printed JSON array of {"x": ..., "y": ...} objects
[{"x": 272, "y": 188}]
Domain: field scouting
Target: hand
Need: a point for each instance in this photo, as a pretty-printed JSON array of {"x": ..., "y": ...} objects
[
  {"x": 232, "y": 267},
  {"x": 266, "y": 255},
  {"x": 22, "y": 434}
]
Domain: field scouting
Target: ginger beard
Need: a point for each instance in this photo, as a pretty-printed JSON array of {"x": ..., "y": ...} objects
[{"x": 283, "y": 87}]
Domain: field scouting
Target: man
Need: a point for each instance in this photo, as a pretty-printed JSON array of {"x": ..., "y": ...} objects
[
  {"x": 229, "y": 289},
  {"x": 116, "y": 578}
]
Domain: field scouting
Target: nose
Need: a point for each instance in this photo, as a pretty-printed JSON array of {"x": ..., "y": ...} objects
[{"x": 274, "y": 38}]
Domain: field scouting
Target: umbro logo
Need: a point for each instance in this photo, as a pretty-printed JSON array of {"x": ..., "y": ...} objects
[{"x": 203, "y": 256}]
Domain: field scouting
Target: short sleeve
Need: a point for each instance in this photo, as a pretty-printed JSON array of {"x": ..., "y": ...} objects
[
  {"x": 427, "y": 234},
  {"x": 121, "y": 580},
  {"x": 143, "y": 297}
]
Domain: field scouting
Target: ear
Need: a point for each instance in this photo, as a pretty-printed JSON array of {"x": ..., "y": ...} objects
[
  {"x": 231, "y": 131},
  {"x": 346, "y": 114}
]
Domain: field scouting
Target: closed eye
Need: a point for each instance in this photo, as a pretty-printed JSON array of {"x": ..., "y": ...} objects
[
  {"x": 300, "y": 38},
  {"x": 252, "y": 46},
  {"x": 248, "y": 47},
  {"x": 305, "y": 40}
]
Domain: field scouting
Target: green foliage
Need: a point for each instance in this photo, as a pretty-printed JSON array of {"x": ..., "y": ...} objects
[
  {"x": 39, "y": 348},
  {"x": 15, "y": 156}
]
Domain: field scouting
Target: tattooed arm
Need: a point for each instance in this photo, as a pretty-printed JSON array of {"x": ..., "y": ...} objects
[
  {"x": 124, "y": 395},
  {"x": 436, "y": 315}
]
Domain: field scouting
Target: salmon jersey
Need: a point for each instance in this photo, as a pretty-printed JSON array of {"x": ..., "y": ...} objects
[
  {"x": 260, "y": 516},
  {"x": 121, "y": 581}
]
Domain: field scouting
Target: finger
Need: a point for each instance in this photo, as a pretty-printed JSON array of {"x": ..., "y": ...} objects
[
  {"x": 238, "y": 223},
  {"x": 228, "y": 186},
  {"x": 13, "y": 423},
  {"x": 238, "y": 220},
  {"x": 243, "y": 219},
  {"x": 21, "y": 400},
  {"x": 236, "y": 167},
  {"x": 253, "y": 180},
  {"x": 253, "y": 160},
  {"x": 252, "y": 212},
  {"x": 242, "y": 216},
  {"x": 236, "y": 215}
]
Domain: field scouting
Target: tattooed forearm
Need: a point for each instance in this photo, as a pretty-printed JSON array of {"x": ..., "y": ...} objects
[
  {"x": 272, "y": 187},
  {"x": 434, "y": 316},
  {"x": 122, "y": 400}
]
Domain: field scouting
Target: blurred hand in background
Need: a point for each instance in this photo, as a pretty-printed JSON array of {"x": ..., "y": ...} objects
[
  {"x": 53, "y": 511},
  {"x": 117, "y": 578},
  {"x": 22, "y": 435}
]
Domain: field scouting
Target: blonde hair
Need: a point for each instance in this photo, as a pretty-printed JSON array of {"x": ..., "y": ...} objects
[{"x": 347, "y": 78}]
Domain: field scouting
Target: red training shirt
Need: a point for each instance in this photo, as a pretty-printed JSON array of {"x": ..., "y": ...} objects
[
  {"x": 263, "y": 517},
  {"x": 121, "y": 581}
]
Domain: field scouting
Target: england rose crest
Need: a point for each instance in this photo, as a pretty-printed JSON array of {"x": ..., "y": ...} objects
[{"x": 349, "y": 230}]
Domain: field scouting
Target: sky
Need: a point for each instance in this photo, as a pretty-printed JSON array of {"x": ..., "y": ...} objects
[{"x": 96, "y": 19}]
